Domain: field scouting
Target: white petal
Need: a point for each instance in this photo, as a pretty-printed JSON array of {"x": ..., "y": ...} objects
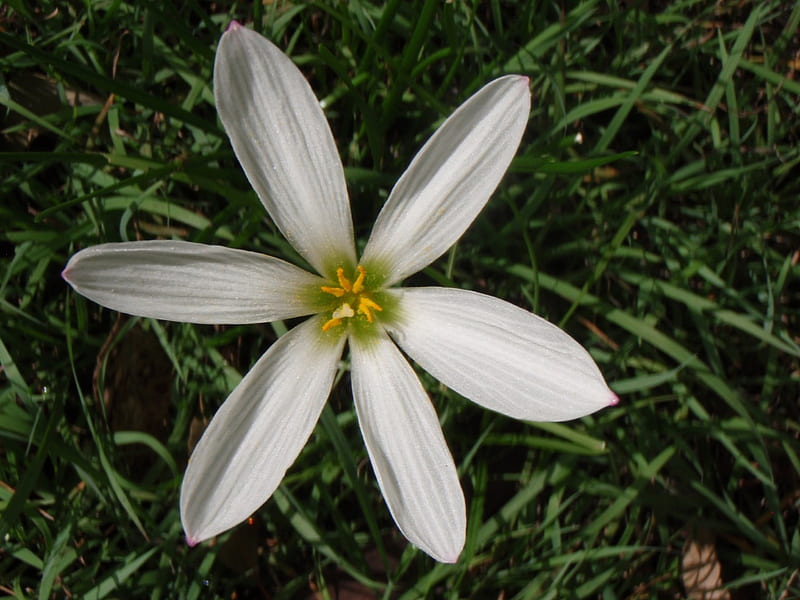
[
  {"x": 414, "y": 468},
  {"x": 258, "y": 432},
  {"x": 450, "y": 180},
  {"x": 499, "y": 355},
  {"x": 285, "y": 146},
  {"x": 193, "y": 283}
]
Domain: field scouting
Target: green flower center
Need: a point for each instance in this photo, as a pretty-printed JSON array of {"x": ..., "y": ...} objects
[{"x": 352, "y": 300}]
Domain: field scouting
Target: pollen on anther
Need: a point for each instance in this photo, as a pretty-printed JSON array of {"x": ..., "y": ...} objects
[
  {"x": 338, "y": 292},
  {"x": 354, "y": 301},
  {"x": 331, "y": 323},
  {"x": 366, "y": 306},
  {"x": 358, "y": 284},
  {"x": 343, "y": 281}
]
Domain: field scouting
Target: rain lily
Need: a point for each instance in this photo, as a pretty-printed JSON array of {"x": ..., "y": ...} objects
[{"x": 489, "y": 351}]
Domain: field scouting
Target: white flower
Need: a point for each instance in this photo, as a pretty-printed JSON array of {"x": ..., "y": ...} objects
[{"x": 491, "y": 352}]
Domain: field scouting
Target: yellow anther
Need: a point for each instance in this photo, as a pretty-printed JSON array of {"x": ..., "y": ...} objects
[
  {"x": 352, "y": 294},
  {"x": 345, "y": 311},
  {"x": 338, "y": 292},
  {"x": 358, "y": 285},
  {"x": 343, "y": 281},
  {"x": 331, "y": 323},
  {"x": 366, "y": 306}
]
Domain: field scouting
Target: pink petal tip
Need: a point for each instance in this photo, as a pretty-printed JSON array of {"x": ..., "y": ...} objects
[
  {"x": 191, "y": 542},
  {"x": 614, "y": 399},
  {"x": 233, "y": 26}
]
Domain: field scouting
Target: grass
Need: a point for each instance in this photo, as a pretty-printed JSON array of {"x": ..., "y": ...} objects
[{"x": 652, "y": 211}]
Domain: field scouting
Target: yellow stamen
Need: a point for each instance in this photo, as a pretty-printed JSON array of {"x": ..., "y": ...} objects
[
  {"x": 338, "y": 292},
  {"x": 352, "y": 294},
  {"x": 365, "y": 305},
  {"x": 343, "y": 281},
  {"x": 331, "y": 323},
  {"x": 358, "y": 285}
]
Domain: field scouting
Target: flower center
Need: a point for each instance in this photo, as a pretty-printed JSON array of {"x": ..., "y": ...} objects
[{"x": 354, "y": 300}]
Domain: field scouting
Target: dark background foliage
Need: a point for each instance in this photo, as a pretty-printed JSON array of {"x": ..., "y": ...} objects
[{"x": 652, "y": 211}]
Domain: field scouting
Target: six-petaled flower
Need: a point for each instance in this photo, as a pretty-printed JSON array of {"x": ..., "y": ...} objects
[{"x": 489, "y": 351}]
